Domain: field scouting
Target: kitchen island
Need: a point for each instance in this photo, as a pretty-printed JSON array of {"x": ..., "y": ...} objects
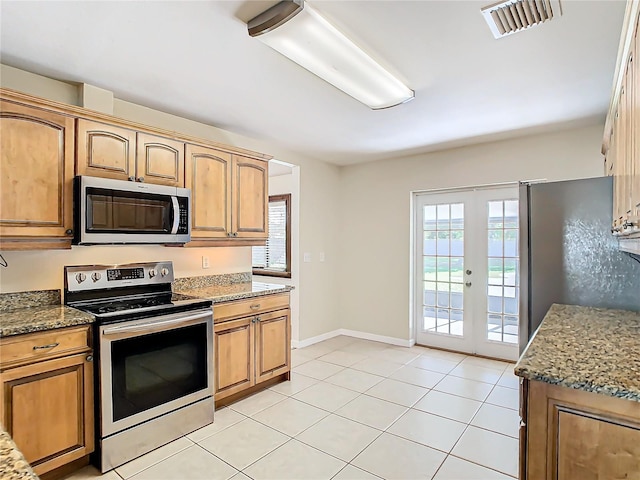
[{"x": 580, "y": 396}]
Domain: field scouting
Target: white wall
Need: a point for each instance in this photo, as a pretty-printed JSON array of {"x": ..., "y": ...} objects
[
  {"x": 43, "y": 269},
  {"x": 279, "y": 185},
  {"x": 318, "y": 214},
  {"x": 374, "y": 269},
  {"x": 359, "y": 216}
]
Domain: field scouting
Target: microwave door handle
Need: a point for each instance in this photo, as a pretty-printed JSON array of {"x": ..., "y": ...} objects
[
  {"x": 152, "y": 326},
  {"x": 176, "y": 215}
]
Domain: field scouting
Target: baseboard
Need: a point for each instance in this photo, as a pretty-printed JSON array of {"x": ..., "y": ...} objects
[
  {"x": 400, "y": 342},
  {"x": 318, "y": 338}
]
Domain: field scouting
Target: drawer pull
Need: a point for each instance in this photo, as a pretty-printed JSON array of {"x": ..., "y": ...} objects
[
  {"x": 43, "y": 347},
  {"x": 255, "y": 306}
]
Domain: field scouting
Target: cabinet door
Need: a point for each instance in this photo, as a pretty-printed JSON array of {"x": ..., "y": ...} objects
[
  {"x": 36, "y": 171},
  {"x": 273, "y": 344},
  {"x": 577, "y": 435},
  {"x": 590, "y": 448},
  {"x": 159, "y": 160},
  {"x": 47, "y": 408},
  {"x": 234, "y": 356},
  {"x": 105, "y": 150},
  {"x": 250, "y": 198},
  {"x": 208, "y": 175}
]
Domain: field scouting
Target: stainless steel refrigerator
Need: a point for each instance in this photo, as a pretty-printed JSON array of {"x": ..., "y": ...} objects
[{"x": 568, "y": 254}]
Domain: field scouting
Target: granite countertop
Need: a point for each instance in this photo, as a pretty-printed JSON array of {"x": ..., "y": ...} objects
[
  {"x": 235, "y": 291},
  {"x": 27, "y": 312},
  {"x": 13, "y": 466},
  {"x": 591, "y": 349}
]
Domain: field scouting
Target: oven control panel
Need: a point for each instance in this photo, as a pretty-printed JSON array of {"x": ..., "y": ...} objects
[{"x": 93, "y": 277}]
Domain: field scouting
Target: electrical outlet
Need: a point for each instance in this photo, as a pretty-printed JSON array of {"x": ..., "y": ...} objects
[
  {"x": 321, "y": 257},
  {"x": 205, "y": 262},
  {"x": 307, "y": 257}
]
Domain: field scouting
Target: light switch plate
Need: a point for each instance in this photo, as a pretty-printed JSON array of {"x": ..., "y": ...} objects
[
  {"x": 205, "y": 262},
  {"x": 321, "y": 257},
  {"x": 307, "y": 257}
]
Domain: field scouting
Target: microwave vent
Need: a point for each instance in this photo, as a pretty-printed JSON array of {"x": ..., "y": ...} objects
[{"x": 506, "y": 18}]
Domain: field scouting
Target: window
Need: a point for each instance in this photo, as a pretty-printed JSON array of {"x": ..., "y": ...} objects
[{"x": 274, "y": 258}]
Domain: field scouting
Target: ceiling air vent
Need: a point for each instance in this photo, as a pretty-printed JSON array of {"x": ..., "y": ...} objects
[{"x": 513, "y": 16}]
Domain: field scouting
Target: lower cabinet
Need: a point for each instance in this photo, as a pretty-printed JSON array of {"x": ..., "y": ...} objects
[
  {"x": 576, "y": 435},
  {"x": 47, "y": 396},
  {"x": 252, "y": 343}
]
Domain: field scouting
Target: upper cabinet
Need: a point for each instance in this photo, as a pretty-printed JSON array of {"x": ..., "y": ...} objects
[
  {"x": 229, "y": 196},
  {"x": 36, "y": 174},
  {"x": 250, "y": 198},
  {"x": 622, "y": 130},
  {"x": 109, "y": 151},
  {"x": 44, "y": 144}
]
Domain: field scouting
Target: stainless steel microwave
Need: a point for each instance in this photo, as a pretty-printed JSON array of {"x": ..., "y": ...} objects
[{"x": 108, "y": 211}]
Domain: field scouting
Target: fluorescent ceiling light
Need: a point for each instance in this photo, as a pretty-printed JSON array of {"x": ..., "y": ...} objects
[{"x": 301, "y": 34}]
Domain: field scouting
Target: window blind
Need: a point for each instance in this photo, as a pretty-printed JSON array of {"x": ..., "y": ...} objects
[{"x": 273, "y": 256}]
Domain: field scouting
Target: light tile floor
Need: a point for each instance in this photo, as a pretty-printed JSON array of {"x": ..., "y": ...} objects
[{"x": 355, "y": 409}]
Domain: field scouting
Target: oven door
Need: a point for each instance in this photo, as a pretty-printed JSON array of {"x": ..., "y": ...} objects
[
  {"x": 153, "y": 366},
  {"x": 117, "y": 211}
]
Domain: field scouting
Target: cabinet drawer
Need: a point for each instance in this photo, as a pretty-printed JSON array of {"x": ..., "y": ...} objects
[
  {"x": 250, "y": 306},
  {"x": 38, "y": 346}
]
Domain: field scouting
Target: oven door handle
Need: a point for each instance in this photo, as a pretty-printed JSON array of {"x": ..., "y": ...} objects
[
  {"x": 176, "y": 215},
  {"x": 152, "y": 326}
]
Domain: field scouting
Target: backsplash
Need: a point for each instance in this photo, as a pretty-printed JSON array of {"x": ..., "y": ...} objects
[
  {"x": 38, "y": 298},
  {"x": 189, "y": 283},
  {"x": 43, "y": 270}
]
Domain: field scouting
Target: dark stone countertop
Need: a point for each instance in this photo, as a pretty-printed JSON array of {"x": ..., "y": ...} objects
[
  {"x": 36, "y": 311},
  {"x": 591, "y": 349}
]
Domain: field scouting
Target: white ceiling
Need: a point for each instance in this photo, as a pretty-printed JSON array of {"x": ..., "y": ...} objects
[{"x": 195, "y": 59}]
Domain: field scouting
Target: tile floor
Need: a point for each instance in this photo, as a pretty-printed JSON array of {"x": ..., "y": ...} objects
[{"x": 355, "y": 409}]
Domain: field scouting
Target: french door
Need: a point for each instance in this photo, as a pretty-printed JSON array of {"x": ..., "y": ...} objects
[{"x": 467, "y": 271}]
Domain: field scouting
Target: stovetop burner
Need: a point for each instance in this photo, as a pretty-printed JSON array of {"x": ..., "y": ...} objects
[{"x": 133, "y": 303}]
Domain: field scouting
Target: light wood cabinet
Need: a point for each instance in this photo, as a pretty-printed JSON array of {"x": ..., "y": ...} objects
[
  {"x": 253, "y": 346},
  {"x": 621, "y": 144},
  {"x": 36, "y": 177},
  {"x": 47, "y": 396},
  {"x": 44, "y": 144},
  {"x": 229, "y": 195},
  {"x": 576, "y": 435},
  {"x": 109, "y": 151},
  {"x": 250, "y": 202}
]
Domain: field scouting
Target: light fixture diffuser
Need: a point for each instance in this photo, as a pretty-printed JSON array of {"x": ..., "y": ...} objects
[{"x": 301, "y": 34}]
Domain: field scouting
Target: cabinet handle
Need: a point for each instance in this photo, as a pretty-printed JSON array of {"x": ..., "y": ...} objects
[
  {"x": 255, "y": 306},
  {"x": 256, "y": 320},
  {"x": 229, "y": 234},
  {"x": 132, "y": 179},
  {"x": 468, "y": 284},
  {"x": 141, "y": 179},
  {"x": 235, "y": 234},
  {"x": 69, "y": 232},
  {"x": 89, "y": 358},
  {"x": 44, "y": 347}
]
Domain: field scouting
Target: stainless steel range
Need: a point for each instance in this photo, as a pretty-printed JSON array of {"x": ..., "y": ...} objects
[{"x": 155, "y": 354}]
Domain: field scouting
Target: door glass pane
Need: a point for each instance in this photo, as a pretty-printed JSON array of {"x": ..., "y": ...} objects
[
  {"x": 503, "y": 292},
  {"x": 443, "y": 260}
]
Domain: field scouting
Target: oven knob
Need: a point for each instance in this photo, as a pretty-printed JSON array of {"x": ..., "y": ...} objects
[
  {"x": 95, "y": 276},
  {"x": 164, "y": 272},
  {"x": 152, "y": 273},
  {"x": 80, "y": 277}
]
